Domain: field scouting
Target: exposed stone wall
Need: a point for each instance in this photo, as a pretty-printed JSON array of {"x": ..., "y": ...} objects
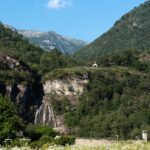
[
  {"x": 67, "y": 87},
  {"x": 22, "y": 93}
]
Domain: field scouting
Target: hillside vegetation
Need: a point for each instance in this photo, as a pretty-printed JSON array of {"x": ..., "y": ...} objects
[
  {"x": 16, "y": 46},
  {"x": 131, "y": 32},
  {"x": 13, "y": 44},
  {"x": 116, "y": 102}
]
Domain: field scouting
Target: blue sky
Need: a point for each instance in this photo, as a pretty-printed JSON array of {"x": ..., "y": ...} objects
[{"x": 83, "y": 19}]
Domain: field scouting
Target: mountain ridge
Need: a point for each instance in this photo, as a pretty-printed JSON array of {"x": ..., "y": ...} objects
[
  {"x": 50, "y": 40},
  {"x": 131, "y": 31}
]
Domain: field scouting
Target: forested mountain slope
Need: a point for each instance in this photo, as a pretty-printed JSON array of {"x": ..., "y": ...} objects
[
  {"x": 131, "y": 32},
  {"x": 16, "y": 46}
]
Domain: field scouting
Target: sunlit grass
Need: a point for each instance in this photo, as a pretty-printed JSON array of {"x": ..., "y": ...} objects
[
  {"x": 121, "y": 145},
  {"x": 80, "y": 70}
]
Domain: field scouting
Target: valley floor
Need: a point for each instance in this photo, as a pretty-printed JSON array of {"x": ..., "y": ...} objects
[{"x": 89, "y": 144}]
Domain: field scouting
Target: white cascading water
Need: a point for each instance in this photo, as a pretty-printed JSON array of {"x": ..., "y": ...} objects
[
  {"x": 35, "y": 118},
  {"x": 52, "y": 115},
  {"x": 45, "y": 115},
  {"x": 37, "y": 114}
]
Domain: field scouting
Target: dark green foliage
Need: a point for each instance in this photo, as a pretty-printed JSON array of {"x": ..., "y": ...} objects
[
  {"x": 10, "y": 73},
  {"x": 35, "y": 145},
  {"x": 130, "y": 32},
  {"x": 41, "y": 135},
  {"x": 10, "y": 123},
  {"x": 46, "y": 139},
  {"x": 127, "y": 58},
  {"x": 59, "y": 140},
  {"x": 18, "y": 142},
  {"x": 64, "y": 140},
  {"x": 63, "y": 73},
  {"x": 43, "y": 140},
  {"x": 15, "y": 45},
  {"x": 61, "y": 105},
  {"x": 36, "y": 132},
  {"x": 55, "y": 59},
  {"x": 115, "y": 104},
  {"x": 14, "y": 76}
]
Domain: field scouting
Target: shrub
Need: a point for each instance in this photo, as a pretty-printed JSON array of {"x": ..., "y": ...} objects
[
  {"x": 46, "y": 139},
  {"x": 19, "y": 142},
  {"x": 9, "y": 124},
  {"x": 41, "y": 142},
  {"x": 64, "y": 140},
  {"x": 35, "y": 145},
  {"x": 36, "y": 132}
]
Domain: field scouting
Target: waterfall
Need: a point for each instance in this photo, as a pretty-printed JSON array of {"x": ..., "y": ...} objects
[
  {"x": 37, "y": 114},
  {"x": 45, "y": 115},
  {"x": 51, "y": 115}
]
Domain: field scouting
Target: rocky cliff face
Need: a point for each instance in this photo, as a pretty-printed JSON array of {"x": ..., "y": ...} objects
[
  {"x": 33, "y": 99},
  {"x": 24, "y": 98},
  {"x": 67, "y": 87},
  {"x": 11, "y": 62},
  {"x": 71, "y": 88},
  {"x": 21, "y": 85},
  {"x": 51, "y": 40}
]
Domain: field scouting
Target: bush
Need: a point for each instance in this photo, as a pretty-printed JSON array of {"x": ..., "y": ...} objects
[
  {"x": 36, "y": 132},
  {"x": 41, "y": 142},
  {"x": 9, "y": 124},
  {"x": 19, "y": 142},
  {"x": 64, "y": 140},
  {"x": 42, "y": 135},
  {"x": 46, "y": 139},
  {"x": 35, "y": 145},
  {"x": 58, "y": 140}
]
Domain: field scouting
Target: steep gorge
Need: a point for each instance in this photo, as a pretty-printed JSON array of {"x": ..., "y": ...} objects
[
  {"x": 21, "y": 85},
  {"x": 33, "y": 98}
]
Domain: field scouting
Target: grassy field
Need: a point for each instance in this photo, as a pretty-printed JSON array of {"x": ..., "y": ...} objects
[
  {"x": 105, "y": 145},
  {"x": 94, "y": 145}
]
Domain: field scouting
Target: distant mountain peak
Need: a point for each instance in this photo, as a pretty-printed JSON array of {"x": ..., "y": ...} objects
[
  {"x": 31, "y": 33},
  {"x": 51, "y": 39}
]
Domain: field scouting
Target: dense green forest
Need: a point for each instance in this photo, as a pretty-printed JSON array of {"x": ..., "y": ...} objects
[
  {"x": 117, "y": 102},
  {"x": 15, "y": 45},
  {"x": 131, "y": 32}
]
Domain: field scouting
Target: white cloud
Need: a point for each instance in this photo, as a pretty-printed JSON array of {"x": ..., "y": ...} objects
[{"x": 56, "y": 4}]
